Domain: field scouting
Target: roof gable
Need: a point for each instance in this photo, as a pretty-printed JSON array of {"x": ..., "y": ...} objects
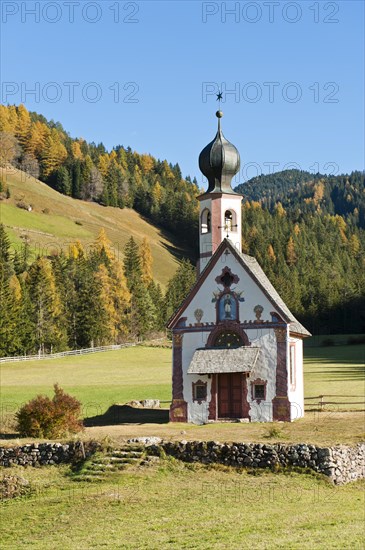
[{"x": 255, "y": 272}]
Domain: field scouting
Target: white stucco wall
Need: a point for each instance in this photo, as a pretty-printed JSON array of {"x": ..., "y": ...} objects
[
  {"x": 197, "y": 412},
  {"x": 252, "y": 293},
  {"x": 265, "y": 369},
  {"x": 296, "y": 394}
]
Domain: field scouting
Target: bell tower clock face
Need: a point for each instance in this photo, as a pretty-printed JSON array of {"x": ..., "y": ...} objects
[{"x": 228, "y": 339}]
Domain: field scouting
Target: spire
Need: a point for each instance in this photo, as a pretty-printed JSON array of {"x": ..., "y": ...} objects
[{"x": 219, "y": 161}]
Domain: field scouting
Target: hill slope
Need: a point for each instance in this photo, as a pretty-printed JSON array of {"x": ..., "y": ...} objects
[{"x": 57, "y": 220}]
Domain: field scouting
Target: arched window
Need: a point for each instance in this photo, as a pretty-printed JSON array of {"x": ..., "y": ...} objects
[
  {"x": 206, "y": 221},
  {"x": 228, "y": 339},
  {"x": 227, "y": 307},
  {"x": 230, "y": 221}
]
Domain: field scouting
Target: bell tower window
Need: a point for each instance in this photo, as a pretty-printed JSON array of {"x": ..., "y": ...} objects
[
  {"x": 230, "y": 221},
  {"x": 206, "y": 221}
]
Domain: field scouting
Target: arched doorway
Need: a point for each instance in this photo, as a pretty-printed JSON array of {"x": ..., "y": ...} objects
[{"x": 230, "y": 387}]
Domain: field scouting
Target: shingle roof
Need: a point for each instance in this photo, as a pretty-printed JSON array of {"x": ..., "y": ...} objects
[{"x": 209, "y": 361}]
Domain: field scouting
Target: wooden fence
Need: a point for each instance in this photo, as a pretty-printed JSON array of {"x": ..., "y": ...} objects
[
  {"x": 321, "y": 401},
  {"x": 84, "y": 351}
]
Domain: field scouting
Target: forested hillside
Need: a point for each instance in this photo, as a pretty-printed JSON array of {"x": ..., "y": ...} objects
[
  {"x": 121, "y": 177},
  {"x": 307, "y": 231},
  {"x": 302, "y": 193}
]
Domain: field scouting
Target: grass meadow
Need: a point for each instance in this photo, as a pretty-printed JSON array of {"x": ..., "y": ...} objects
[
  {"x": 99, "y": 380},
  {"x": 175, "y": 505}
]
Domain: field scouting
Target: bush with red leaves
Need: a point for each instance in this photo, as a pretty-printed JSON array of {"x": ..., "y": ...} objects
[{"x": 50, "y": 418}]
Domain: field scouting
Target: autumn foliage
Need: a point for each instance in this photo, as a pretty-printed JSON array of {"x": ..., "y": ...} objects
[{"x": 50, "y": 418}]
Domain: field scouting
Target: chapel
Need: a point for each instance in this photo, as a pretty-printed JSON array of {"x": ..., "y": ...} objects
[{"x": 237, "y": 348}]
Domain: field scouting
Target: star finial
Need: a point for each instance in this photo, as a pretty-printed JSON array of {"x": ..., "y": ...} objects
[{"x": 219, "y": 96}]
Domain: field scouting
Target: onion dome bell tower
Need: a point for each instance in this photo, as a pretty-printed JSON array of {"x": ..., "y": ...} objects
[{"x": 220, "y": 206}]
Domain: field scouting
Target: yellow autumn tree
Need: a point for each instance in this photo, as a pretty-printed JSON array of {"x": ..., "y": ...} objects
[
  {"x": 156, "y": 193},
  {"x": 147, "y": 163},
  {"x": 23, "y": 126},
  {"x": 37, "y": 139},
  {"x": 15, "y": 288},
  {"x": 103, "y": 165},
  {"x": 296, "y": 229},
  {"x": 291, "y": 256},
  {"x": 76, "y": 150},
  {"x": 271, "y": 253},
  {"x": 146, "y": 262},
  {"x": 76, "y": 250},
  {"x": 102, "y": 245},
  {"x": 54, "y": 153},
  {"x": 280, "y": 209},
  {"x": 354, "y": 245},
  {"x": 318, "y": 192}
]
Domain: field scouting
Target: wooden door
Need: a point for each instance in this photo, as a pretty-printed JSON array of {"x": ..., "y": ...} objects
[{"x": 230, "y": 395}]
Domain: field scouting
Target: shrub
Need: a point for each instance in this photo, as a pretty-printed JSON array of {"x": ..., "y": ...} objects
[{"x": 50, "y": 418}]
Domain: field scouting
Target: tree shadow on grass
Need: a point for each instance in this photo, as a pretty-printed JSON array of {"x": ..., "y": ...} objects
[
  {"x": 125, "y": 414},
  {"x": 9, "y": 436},
  {"x": 345, "y": 373}
]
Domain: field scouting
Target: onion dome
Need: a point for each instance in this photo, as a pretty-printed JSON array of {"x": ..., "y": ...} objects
[{"x": 219, "y": 161}]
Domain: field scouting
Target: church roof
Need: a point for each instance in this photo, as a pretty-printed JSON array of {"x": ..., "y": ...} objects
[
  {"x": 216, "y": 360},
  {"x": 219, "y": 161},
  {"x": 253, "y": 268}
]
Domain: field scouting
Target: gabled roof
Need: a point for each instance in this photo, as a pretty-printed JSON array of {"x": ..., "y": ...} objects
[{"x": 252, "y": 267}]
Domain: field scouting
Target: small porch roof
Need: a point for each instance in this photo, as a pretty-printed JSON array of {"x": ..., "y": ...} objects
[{"x": 217, "y": 360}]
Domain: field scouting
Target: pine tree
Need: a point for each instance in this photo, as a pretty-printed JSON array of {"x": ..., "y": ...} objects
[
  {"x": 132, "y": 265},
  {"x": 143, "y": 312},
  {"x": 158, "y": 301},
  {"x": 178, "y": 287}
]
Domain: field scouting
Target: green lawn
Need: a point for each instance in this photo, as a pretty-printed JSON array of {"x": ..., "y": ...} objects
[
  {"x": 98, "y": 380},
  {"x": 101, "y": 379},
  {"x": 173, "y": 505},
  {"x": 337, "y": 371}
]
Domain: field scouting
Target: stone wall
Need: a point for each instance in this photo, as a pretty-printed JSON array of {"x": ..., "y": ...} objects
[
  {"x": 341, "y": 464},
  {"x": 44, "y": 454}
]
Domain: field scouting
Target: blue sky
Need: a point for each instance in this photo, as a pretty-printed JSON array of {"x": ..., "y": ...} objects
[{"x": 144, "y": 74}]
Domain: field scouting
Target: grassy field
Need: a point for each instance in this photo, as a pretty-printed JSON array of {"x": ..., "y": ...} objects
[
  {"x": 101, "y": 379},
  {"x": 98, "y": 380},
  {"x": 174, "y": 505},
  {"x": 57, "y": 220}
]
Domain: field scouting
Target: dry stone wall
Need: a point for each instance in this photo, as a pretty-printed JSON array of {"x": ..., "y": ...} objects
[
  {"x": 341, "y": 464},
  {"x": 44, "y": 454}
]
